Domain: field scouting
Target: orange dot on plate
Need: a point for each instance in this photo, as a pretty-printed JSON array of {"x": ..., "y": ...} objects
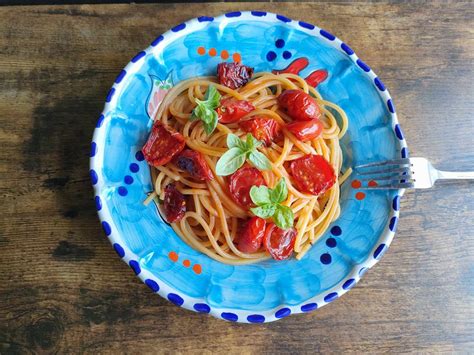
[
  {"x": 201, "y": 50},
  {"x": 197, "y": 269},
  {"x": 360, "y": 195},
  {"x": 356, "y": 184},
  {"x": 212, "y": 52},
  {"x": 373, "y": 183},
  {"x": 236, "y": 57},
  {"x": 173, "y": 256},
  {"x": 224, "y": 54},
  {"x": 186, "y": 263}
]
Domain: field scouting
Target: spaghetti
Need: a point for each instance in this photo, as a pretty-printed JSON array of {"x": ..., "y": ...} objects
[{"x": 212, "y": 218}]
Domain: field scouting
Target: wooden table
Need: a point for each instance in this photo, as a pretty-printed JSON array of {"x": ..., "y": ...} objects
[{"x": 63, "y": 289}]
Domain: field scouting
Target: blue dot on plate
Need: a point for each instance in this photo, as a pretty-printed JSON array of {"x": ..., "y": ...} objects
[
  {"x": 326, "y": 258},
  {"x": 120, "y": 77},
  {"x": 347, "y": 49},
  {"x": 110, "y": 94},
  {"x": 100, "y": 121},
  {"x": 119, "y": 250},
  {"x": 139, "y": 156},
  {"x": 202, "y": 307},
  {"x": 364, "y": 66},
  {"x": 393, "y": 223},
  {"x": 331, "y": 242},
  {"x": 232, "y": 317},
  {"x": 390, "y": 105},
  {"x": 94, "y": 177},
  {"x": 280, "y": 43},
  {"x": 327, "y": 35},
  {"x": 122, "y": 190},
  {"x": 256, "y": 318},
  {"x": 178, "y": 28},
  {"x": 93, "y": 149},
  {"x": 233, "y": 14},
  {"x": 336, "y": 231},
  {"x": 282, "y": 313},
  {"x": 135, "y": 266},
  {"x": 128, "y": 179},
  {"x": 258, "y": 13},
  {"x": 271, "y": 55},
  {"x": 106, "y": 228},
  {"x": 380, "y": 85},
  {"x": 380, "y": 251},
  {"x": 177, "y": 300},
  {"x": 157, "y": 40},
  {"x": 286, "y": 54},
  {"x": 134, "y": 167},
  {"x": 331, "y": 297},
  {"x": 396, "y": 203},
  {"x": 348, "y": 284},
  {"x": 152, "y": 285},
  {"x": 306, "y": 25},
  {"x": 138, "y": 56},
  {"x": 398, "y": 132},
  {"x": 283, "y": 18},
  {"x": 205, "y": 19},
  {"x": 98, "y": 203},
  {"x": 309, "y": 307}
]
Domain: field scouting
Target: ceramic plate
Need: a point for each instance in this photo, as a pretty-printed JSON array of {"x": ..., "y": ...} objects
[{"x": 269, "y": 290}]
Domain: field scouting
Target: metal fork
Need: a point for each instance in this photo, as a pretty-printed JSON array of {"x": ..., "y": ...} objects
[{"x": 404, "y": 173}]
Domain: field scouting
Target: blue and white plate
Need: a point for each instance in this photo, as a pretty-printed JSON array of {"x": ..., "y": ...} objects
[{"x": 269, "y": 290}]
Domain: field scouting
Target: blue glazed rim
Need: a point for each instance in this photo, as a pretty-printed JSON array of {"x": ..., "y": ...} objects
[{"x": 199, "y": 304}]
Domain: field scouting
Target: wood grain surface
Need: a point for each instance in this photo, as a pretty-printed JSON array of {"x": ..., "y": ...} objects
[{"x": 63, "y": 289}]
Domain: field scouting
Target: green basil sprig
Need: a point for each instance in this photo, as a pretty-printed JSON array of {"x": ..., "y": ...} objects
[
  {"x": 205, "y": 110},
  {"x": 269, "y": 205},
  {"x": 239, "y": 151}
]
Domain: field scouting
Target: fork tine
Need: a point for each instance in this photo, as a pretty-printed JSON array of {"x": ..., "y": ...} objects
[
  {"x": 394, "y": 177},
  {"x": 392, "y": 171},
  {"x": 404, "y": 161},
  {"x": 405, "y": 185}
]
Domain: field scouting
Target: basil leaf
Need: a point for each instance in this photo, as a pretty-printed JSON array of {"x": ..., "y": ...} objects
[
  {"x": 211, "y": 124},
  {"x": 212, "y": 97},
  {"x": 264, "y": 211},
  {"x": 234, "y": 141},
  {"x": 260, "y": 195},
  {"x": 259, "y": 160},
  {"x": 251, "y": 142},
  {"x": 228, "y": 163},
  {"x": 280, "y": 192},
  {"x": 283, "y": 217}
]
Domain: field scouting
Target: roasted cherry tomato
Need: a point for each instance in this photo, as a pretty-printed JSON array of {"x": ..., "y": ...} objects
[
  {"x": 233, "y": 75},
  {"x": 251, "y": 235},
  {"x": 162, "y": 145},
  {"x": 262, "y": 128},
  {"x": 241, "y": 182},
  {"x": 232, "y": 110},
  {"x": 195, "y": 164},
  {"x": 312, "y": 174},
  {"x": 279, "y": 242},
  {"x": 174, "y": 205},
  {"x": 306, "y": 130},
  {"x": 299, "y": 105}
]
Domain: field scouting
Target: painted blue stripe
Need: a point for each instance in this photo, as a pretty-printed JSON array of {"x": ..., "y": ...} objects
[
  {"x": 202, "y": 307},
  {"x": 256, "y": 318},
  {"x": 347, "y": 49},
  {"x": 152, "y": 285},
  {"x": 120, "y": 77},
  {"x": 177, "y": 300},
  {"x": 364, "y": 66},
  {"x": 157, "y": 40},
  {"x": 380, "y": 85},
  {"x": 205, "y": 19},
  {"x": 233, "y": 14},
  {"x": 348, "y": 284},
  {"x": 119, "y": 250},
  {"x": 283, "y": 18},
  {"x": 138, "y": 56},
  {"x": 306, "y": 25},
  {"x": 282, "y": 313},
  {"x": 179, "y": 27},
  {"x": 328, "y": 35},
  {"x": 110, "y": 94},
  {"x": 232, "y": 317},
  {"x": 309, "y": 307},
  {"x": 380, "y": 251},
  {"x": 331, "y": 297},
  {"x": 393, "y": 223},
  {"x": 390, "y": 105},
  {"x": 258, "y": 13},
  {"x": 398, "y": 131},
  {"x": 396, "y": 203}
]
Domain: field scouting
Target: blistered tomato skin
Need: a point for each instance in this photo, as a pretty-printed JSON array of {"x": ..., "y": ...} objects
[
  {"x": 162, "y": 145},
  {"x": 241, "y": 182},
  {"x": 299, "y": 105},
  {"x": 174, "y": 204},
  {"x": 232, "y": 110},
  {"x": 262, "y": 128},
  {"x": 251, "y": 235},
  {"x": 312, "y": 174},
  {"x": 233, "y": 75},
  {"x": 279, "y": 242},
  {"x": 194, "y": 163},
  {"x": 306, "y": 130}
]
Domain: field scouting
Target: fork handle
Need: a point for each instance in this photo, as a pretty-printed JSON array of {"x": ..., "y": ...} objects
[{"x": 455, "y": 174}]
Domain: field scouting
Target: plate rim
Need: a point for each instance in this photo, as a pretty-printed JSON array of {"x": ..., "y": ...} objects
[{"x": 199, "y": 304}]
